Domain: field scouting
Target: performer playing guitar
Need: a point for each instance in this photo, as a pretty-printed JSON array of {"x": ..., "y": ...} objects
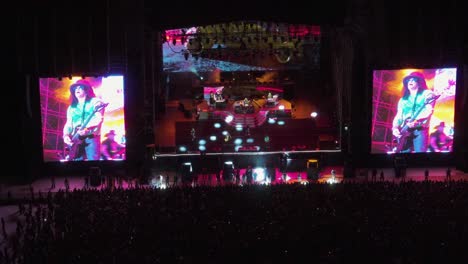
[
  {"x": 415, "y": 108},
  {"x": 81, "y": 132}
]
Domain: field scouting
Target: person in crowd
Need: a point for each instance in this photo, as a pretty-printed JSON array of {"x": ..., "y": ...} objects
[
  {"x": 414, "y": 112},
  {"x": 52, "y": 179},
  {"x": 374, "y": 175},
  {"x": 448, "y": 174},
  {"x": 82, "y": 129}
]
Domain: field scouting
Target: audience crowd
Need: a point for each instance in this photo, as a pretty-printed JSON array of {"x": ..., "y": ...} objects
[{"x": 385, "y": 222}]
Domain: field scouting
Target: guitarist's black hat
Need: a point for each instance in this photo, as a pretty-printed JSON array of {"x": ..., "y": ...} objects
[
  {"x": 80, "y": 83},
  {"x": 417, "y": 75}
]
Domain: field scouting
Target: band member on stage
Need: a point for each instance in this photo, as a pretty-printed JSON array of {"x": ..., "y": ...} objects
[
  {"x": 246, "y": 102},
  {"x": 415, "y": 108},
  {"x": 227, "y": 136},
  {"x": 82, "y": 130},
  {"x": 193, "y": 134},
  {"x": 212, "y": 99},
  {"x": 218, "y": 97}
]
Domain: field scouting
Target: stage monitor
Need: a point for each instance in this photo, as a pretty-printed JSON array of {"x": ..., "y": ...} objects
[
  {"x": 413, "y": 110},
  {"x": 82, "y": 118}
]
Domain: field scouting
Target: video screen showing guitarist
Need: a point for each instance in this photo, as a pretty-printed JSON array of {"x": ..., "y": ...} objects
[
  {"x": 82, "y": 130},
  {"x": 412, "y": 120}
]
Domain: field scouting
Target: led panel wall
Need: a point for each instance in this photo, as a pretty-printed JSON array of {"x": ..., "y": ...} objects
[
  {"x": 241, "y": 46},
  {"x": 89, "y": 112},
  {"x": 413, "y": 110}
]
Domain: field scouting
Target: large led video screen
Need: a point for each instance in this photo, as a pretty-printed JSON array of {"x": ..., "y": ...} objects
[
  {"x": 83, "y": 118},
  {"x": 413, "y": 110},
  {"x": 241, "y": 46}
]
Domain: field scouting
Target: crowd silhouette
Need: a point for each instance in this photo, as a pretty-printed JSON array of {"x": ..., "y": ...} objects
[{"x": 388, "y": 222}]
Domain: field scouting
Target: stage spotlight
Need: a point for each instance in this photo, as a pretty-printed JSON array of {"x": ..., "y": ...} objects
[
  {"x": 213, "y": 138},
  {"x": 238, "y": 141},
  {"x": 182, "y": 149},
  {"x": 239, "y": 127},
  {"x": 313, "y": 114},
  {"x": 281, "y": 122},
  {"x": 217, "y": 125},
  {"x": 229, "y": 118},
  {"x": 332, "y": 181},
  {"x": 259, "y": 174},
  {"x": 202, "y": 142},
  {"x": 281, "y": 107},
  {"x": 201, "y": 148}
]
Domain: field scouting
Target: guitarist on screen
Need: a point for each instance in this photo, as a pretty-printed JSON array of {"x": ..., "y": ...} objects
[
  {"x": 415, "y": 108},
  {"x": 82, "y": 130}
]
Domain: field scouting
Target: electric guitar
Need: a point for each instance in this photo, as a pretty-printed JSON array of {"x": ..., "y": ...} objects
[
  {"x": 76, "y": 139},
  {"x": 405, "y": 130}
]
